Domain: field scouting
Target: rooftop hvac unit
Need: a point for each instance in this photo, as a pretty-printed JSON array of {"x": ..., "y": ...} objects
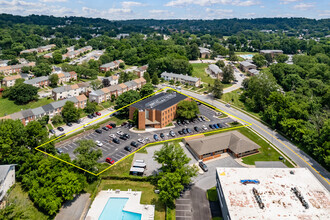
[{"x": 258, "y": 199}]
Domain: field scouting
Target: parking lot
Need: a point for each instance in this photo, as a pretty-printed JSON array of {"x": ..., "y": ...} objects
[{"x": 117, "y": 151}]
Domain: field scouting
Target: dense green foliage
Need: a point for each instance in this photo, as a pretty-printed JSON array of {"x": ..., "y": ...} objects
[
  {"x": 69, "y": 112},
  {"x": 21, "y": 93},
  {"x": 187, "y": 109},
  {"x": 125, "y": 99}
]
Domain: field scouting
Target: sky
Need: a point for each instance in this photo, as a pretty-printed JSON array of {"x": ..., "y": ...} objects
[{"x": 169, "y": 9}]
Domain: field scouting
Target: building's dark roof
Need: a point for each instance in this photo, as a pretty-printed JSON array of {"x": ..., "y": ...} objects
[
  {"x": 160, "y": 101},
  {"x": 48, "y": 108}
]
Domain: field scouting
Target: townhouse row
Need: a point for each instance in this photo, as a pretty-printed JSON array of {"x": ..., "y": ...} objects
[
  {"x": 39, "y": 49},
  {"x": 105, "y": 94},
  {"x": 75, "y": 53},
  {"x": 8, "y": 70},
  {"x": 111, "y": 66},
  {"x": 51, "y": 110}
]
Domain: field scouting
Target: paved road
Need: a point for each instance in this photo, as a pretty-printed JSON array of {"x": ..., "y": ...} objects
[
  {"x": 297, "y": 155},
  {"x": 74, "y": 209},
  {"x": 238, "y": 77}
]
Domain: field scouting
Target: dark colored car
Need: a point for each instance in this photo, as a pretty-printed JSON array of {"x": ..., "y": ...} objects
[
  {"x": 90, "y": 116},
  {"x": 179, "y": 123},
  {"x": 219, "y": 125},
  {"x": 59, "y": 151},
  {"x": 127, "y": 136},
  {"x": 215, "y": 126},
  {"x": 156, "y": 137},
  {"x": 211, "y": 126},
  {"x": 106, "y": 128},
  {"x": 162, "y": 135},
  {"x": 189, "y": 131},
  {"x": 203, "y": 166},
  {"x": 98, "y": 113},
  {"x": 128, "y": 148},
  {"x": 180, "y": 132},
  {"x": 123, "y": 137},
  {"x": 69, "y": 124},
  {"x": 197, "y": 129},
  {"x": 52, "y": 131},
  {"x": 116, "y": 140},
  {"x": 94, "y": 115},
  {"x": 113, "y": 125},
  {"x": 172, "y": 133},
  {"x": 203, "y": 118},
  {"x": 109, "y": 160},
  {"x": 184, "y": 131},
  {"x": 134, "y": 144},
  {"x": 99, "y": 131},
  {"x": 183, "y": 122},
  {"x": 60, "y": 128}
]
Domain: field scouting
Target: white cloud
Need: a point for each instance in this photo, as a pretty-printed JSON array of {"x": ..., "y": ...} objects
[
  {"x": 21, "y": 3},
  {"x": 131, "y": 4},
  {"x": 179, "y": 3},
  {"x": 119, "y": 10},
  {"x": 304, "y": 6},
  {"x": 53, "y": 1},
  {"x": 285, "y": 2},
  {"x": 157, "y": 11},
  {"x": 325, "y": 13},
  {"x": 218, "y": 11},
  {"x": 249, "y": 15}
]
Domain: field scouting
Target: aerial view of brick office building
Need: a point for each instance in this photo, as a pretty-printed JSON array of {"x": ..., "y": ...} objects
[{"x": 156, "y": 111}]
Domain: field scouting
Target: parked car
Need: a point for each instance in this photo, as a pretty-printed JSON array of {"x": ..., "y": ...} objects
[
  {"x": 98, "y": 113},
  {"x": 189, "y": 131},
  {"x": 109, "y": 160},
  {"x": 203, "y": 118},
  {"x": 180, "y": 132},
  {"x": 99, "y": 131},
  {"x": 59, "y": 150},
  {"x": 69, "y": 124},
  {"x": 60, "y": 128},
  {"x": 228, "y": 105},
  {"x": 113, "y": 125},
  {"x": 197, "y": 129},
  {"x": 99, "y": 143},
  {"x": 203, "y": 166},
  {"x": 116, "y": 140},
  {"x": 211, "y": 126},
  {"x": 134, "y": 144},
  {"x": 219, "y": 125},
  {"x": 215, "y": 126},
  {"x": 90, "y": 116},
  {"x": 106, "y": 128},
  {"x": 128, "y": 148},
  {"x": 127, "y": 136},
  {"x": 123, "y": 137},
  {"x": 184, "y": 131},
  {"x": 120, "y": 132},
  {"x": 52, "y": 131},
  {"x": 179, "y": 123},
  {"x": 94, "y": 115},
  {"x": 162, "y": 135},
  {"x": 112, "y": 135},
  {"x": 204, "y": 127},
  {"x": 186, "y": 121},
  {"x": 141, "y": 140},
  {"x": 109, "y": 126},
  {"x": 172, "y": 133},
  {"x": 199, "y": 119},
  {"x": 156, "y": 137}
]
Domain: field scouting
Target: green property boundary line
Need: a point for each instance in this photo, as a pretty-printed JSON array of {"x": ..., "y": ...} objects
[{"x": 96, "y": 174}]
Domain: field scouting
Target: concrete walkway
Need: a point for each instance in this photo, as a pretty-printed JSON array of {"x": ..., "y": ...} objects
[{"x": 75, "y": 209}]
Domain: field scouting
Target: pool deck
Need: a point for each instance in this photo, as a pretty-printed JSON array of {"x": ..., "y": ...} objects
[{"x": 132, "y": 205}]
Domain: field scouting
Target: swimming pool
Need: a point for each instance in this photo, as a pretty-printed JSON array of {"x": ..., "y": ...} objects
[
  {"x": 246, "y": 56},
  {"x": 113, "y": 210}
]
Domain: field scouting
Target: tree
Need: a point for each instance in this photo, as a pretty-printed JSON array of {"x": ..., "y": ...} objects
[
  {"x": 187, "y": 109},
  {"x": 96, "y": 84},
  {"x": 43, "y": 69},
  {"x": 269, "y": 57},
  {"x": 228, "y": 74},
  {"x": 146, "y": 90},
  {"x": 170, "y": 188},
  {"x": 125, "y": 99},
  {"x": 26, "y": 69},
  {"x": 259, "y": 60},
  {"x": 22, "y": 93},
  {"x": 57, "y": 57},
  {"x": 220, "y": 63},
  {"x": 57, "y": 119},
  {"x": 90, "y": 107},
  {"x": 44, "y": 120},
  {"x": 122, "y": 65},
  {"x": 53, "y": 80},
  {"x": 281, "y": 58},
  {"x": 146, "y": 76},
  {"x": 217, "y": 89},
  {"x": 171, "y": 82},
  {"x": 155, "y": 79},
  {"x": 106, "y": 82},
  {"x": 69, "y": 112}
]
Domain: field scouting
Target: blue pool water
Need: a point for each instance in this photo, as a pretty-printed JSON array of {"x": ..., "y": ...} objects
[
  {"x": 246, "y": 56},
  {"x": 113, "y": 210}
]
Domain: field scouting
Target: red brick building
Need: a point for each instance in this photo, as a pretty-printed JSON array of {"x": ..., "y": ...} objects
[{"x": 157, "y": 111}]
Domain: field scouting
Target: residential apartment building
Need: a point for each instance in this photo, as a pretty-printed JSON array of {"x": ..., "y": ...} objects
[
  {"x": 75, "y": 53},
  {"x": 246, "y": 66},
  {"x": 193, "y": 81},
  {"x": 38, "y": 81},
  {"x": 7, "y": 179},
  {"x": 4, "y": 63},
  {"x": 156, "y": 111},
  {"x": 51, "y": 109},
  {"x": 69, "y": 91},
  {"x": 7, "y": 70},
  {"x": 104, "y": 94},
  {"x": 113, "y": 80},
  {"x": 39, "y": 49},
  {"x": 215, "y": 71},
  {"x": 111, "y": 66},
  {"x": 273, "y": 53},
  {"x": 66, "y": 76},
  {"x": 141, "y": 70},
  {"x": 204, "y": 52},
  {"x": 9, "y": 81}
]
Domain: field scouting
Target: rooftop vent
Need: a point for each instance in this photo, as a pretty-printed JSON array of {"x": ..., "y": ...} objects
[
  {"x": 250, "y": 182},
  {"x": 160, "y": 100},
  {"x": 300, "y": 197},
  {"x": 258, "y": 199}
]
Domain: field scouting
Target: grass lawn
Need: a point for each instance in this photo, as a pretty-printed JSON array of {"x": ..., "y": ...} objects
[
  {"x": 8, "y": 107},
  {"x": 148, "y": 196},
  {"x": 23, "y": 204},
  {"x": 49, "y": 126},
  {"x": 107, "y": 104},
  {"x": 170, "y": 214},
  {"x": 199, "y": 71},
  {"x": 267, "y": 152},
  {"x": 120, "y": 169},
  {"x": 212, "y": 195}
]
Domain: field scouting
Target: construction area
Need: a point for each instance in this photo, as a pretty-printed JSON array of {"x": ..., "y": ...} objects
[{"x": 271, "y": 193}]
